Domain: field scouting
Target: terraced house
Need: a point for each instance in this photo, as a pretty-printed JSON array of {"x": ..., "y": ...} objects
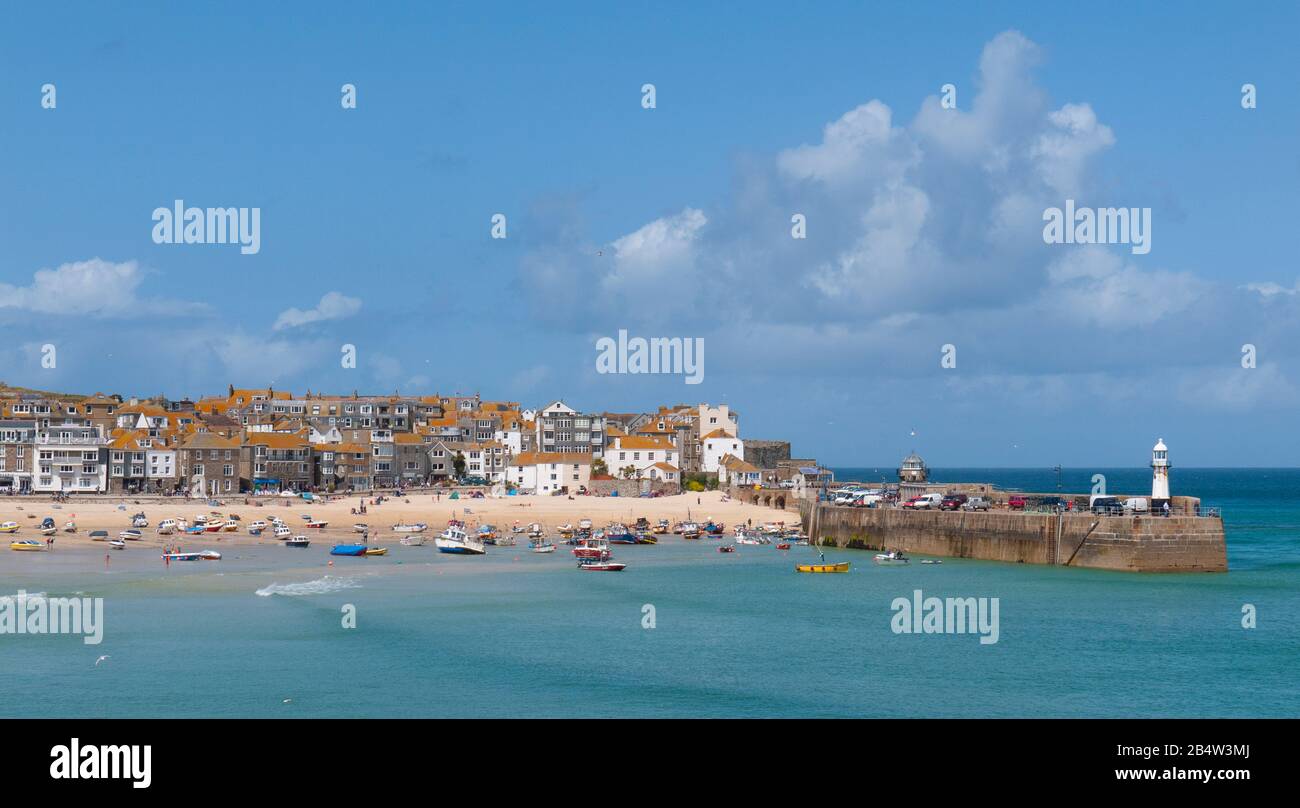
[
  {"x": 70, "y": 457},
  {"x": 210, "y": 464},
  {"x": 17, "y": 455},
  {"x": 344, "y": 466},
  {"x": 280, "y": 461}
]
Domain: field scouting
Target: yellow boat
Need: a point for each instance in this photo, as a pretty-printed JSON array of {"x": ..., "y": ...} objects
[
  {"x": 27, "y": 544},
  {"x": 376, "y": 551},
  {"x": 9, "y": 527},
  {"x": 842, "y": 566}
]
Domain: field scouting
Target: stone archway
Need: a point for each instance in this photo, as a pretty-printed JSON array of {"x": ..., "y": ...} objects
[{"x": 780, "y": 503}]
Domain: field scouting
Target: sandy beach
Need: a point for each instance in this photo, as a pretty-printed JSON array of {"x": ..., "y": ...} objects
[{"x": 113, "y": 514}]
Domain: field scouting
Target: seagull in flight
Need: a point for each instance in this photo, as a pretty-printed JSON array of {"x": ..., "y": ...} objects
[{"x": 101, "y": 659}]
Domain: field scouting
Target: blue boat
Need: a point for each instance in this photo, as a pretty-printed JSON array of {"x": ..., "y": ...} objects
[
  {"x": 348, "y": 549},
  {"x": 619, "y": 534}
]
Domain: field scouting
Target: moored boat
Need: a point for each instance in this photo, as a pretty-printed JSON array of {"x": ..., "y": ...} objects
[
  {"x": 130, "y": 535},
  {"x": 726, "y": 548},
  {"x": 591, "y": 548},
  {"x": 544, "y": 547},
  {"x": 349, "y": 549},
  {"x": 210, "y": 555},
  {"x": 282, "y": 532},
  {"x": 403, "y": 527},
  {"x": 298, "y": 541},
  {"x": 593, "y": 565},
  {"x": 690, "y": 530},
  {"x": 214, "y": 525},
  {"x": 166, "y": 527},
  {"x": 454, "y": 540},
  {"x": 412, "y": 540},
  {"x": 182, "y": 557},
  {"x": 362, "y": 527},
  {"x": 27, "y": 545},
  {"x": 783, "y": 546},
  {"x": 376, "y": 551},
  {"x": 9, "y": 527},
  {"x": 662, "y": 527},
  {"x": 536, "y": 531},
  {"x": 99, "y": 535},
  {"x": 891, "y": 558},
  {"x": 139, "y": 520},
  {"x": 841, "y": 566},
  {"x": 618, "y": 533},
  {"x": 117, "y": 544},
  {"x": 256, "y": 527},
  {"x": 317, "y": 524}
]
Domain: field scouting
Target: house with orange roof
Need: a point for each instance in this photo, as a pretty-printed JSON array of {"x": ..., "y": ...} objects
[
  {"x": 634, "y": 456},
  {"x": 734, "y": 471},
  {"x": 280, "y": 461},
  {"x": 714, "y": 445},
  {"x": 211, "y": 464},
  {"x": 550, "y": 472},
  {"x": 127, "y": 461}
]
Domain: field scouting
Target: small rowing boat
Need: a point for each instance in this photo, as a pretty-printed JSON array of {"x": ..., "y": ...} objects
[
  {"x": 727, "y": 548},
  {"x": 842, "y": 566},
  {"x": 376, "y": 551}
]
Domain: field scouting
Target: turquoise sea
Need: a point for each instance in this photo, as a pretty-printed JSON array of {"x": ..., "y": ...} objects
[{"x": 260, "y": 633}]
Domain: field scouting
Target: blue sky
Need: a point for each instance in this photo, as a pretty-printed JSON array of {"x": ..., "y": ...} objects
[{"x": 924, "y": 224}]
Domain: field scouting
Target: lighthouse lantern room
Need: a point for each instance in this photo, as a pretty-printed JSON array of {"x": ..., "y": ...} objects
[{"x": 1159, "y": 474}]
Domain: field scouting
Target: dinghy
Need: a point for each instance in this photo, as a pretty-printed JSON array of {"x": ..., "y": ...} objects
[{"x": 841, "y": 566}]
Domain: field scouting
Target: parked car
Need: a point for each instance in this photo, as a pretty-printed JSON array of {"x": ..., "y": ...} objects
[
  {"x": 1107, "y": 505},
  {"x": 866, "y": 500},
  {"x": 1016, "y": 503},
  {"x": 1052, "y": 503},
  {"x": 975, "y": 504},
  {"x": 1136, "y": 504},
  {"x": 925, "y": 502},
  {"x": 952, "y": 502}
]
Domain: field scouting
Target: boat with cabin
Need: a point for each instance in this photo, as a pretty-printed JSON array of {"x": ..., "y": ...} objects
[
  {"x": 130, "y": 535},
  {"x": 166, "y": 527},
  {"x": 9, "y": 527},
  {"x": 601, "y": 565},
  {"x": 618, "y": 533},
  {"x": 298, "y": 541},
  {"x": 27, "y": 545},
  {"x": 456, "y": 541}
]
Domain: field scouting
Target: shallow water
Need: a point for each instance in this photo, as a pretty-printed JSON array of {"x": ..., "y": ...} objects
[{"x": 518, "y": 634}]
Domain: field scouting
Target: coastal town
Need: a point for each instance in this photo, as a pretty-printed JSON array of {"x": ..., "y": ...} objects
[{"x": 267, "y": 441}]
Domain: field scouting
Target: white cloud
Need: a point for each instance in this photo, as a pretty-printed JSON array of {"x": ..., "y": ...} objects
[
  {"x": 332, "y": 306},
  {"x": 1063, "y": 151},
  {"x": 95, "y": 287}
]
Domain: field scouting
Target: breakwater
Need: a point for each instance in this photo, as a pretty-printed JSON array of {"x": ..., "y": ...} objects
[{"x": 1129, "y": 543}]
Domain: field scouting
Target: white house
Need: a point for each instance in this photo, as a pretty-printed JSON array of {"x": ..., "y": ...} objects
[
  {"x": 642, "y": 454},
  {"x": 548, "y": 472},
  {"x": 71, "y": 457},
  {"x": 734, "y": 471},
  {"x": 715, "y": 445}
]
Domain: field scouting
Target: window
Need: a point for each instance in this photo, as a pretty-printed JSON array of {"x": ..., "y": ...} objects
[{"x": 228, "y": 471}]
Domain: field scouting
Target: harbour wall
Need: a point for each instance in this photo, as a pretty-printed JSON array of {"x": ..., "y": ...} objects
[{"x": 1128, "y": 543}]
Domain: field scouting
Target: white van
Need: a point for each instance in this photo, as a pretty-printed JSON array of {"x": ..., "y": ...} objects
[{"x": 1136, "y": 504}]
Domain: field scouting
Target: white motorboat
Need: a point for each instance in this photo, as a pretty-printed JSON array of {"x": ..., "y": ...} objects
[
  {"x": 543, "y": 547},
  {"x": 361, "y": 527},
  {"x": 412, "y": 540},
  {"x": 117, "y": 544},
  {"x": 404, "y": 527},
  {"x": 166, "y": 527},
  {"x": 130, "y": 535},
  {"x": 210, "y": 555},
  {"x": 298, "y": 541},
  {"x": 283, "y": 532},
  {"x": 456, "y": 541},
  {"x": 891, "y": 558}
]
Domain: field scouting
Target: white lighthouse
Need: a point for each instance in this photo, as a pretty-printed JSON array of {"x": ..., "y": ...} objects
[{"x": 1159, "y": 474}]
